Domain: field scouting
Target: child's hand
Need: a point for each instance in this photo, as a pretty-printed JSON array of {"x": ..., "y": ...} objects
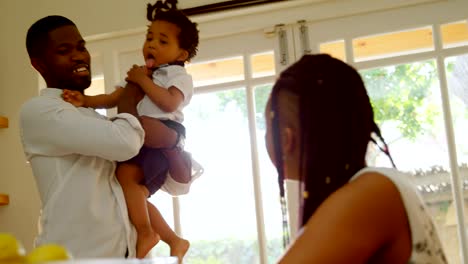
[
  {"x": 137, "y": 73},
  {"x": 73, "y": 97}
]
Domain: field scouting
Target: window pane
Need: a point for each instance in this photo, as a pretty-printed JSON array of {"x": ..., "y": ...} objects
[
  {"x": 217, "y": 71},
  {"x": 263, "y": 64},
  {"x": 455, "y": 34},
  {"x": 218, "y": 215},
  {"x": 407, "y": 107},
  {"x": 393, "y": 44},
  {"x": 335, "y": 49},
  {"x": 269, "y": 181},
  {"x": 163, "y": 202},
  {"x": 457, "y": 76}
]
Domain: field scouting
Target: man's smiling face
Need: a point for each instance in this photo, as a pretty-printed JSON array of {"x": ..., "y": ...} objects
[{"x": 65, "y": 64}]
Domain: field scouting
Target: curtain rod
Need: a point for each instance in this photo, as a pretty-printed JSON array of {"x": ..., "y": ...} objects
[{"x": 226, "y": 5}]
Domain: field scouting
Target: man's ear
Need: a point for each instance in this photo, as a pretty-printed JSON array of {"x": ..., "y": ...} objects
[
  {"x": 38, "y": 65},
  {"x": 288, "y": 141},
  {"x": 183, "y": 55}
]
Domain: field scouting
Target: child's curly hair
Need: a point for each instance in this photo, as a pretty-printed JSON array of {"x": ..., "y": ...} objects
[{"x": 188, "y": 36}]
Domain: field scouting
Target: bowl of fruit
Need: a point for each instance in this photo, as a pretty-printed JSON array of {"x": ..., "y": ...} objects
[{"x": 12, "y": 252}]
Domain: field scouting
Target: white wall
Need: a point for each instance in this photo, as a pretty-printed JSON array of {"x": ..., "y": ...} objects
[{"x": 18, "y": 81}]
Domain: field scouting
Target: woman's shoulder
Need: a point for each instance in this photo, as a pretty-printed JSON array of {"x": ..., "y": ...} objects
[
  {"x": 375, "y": 182},
  {"x": 401, "y": 180},
  {"x": 370, "y": 206},
  {"x": 375, "y": 198},
  {"x": 371, "y": 194},
  {"x": 386, "y": 172},
  {"x": 398, "y": 187}
]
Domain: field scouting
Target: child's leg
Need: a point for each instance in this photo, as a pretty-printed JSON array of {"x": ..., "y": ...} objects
[
  {"x": 164, "y": 137},
  {"x": 178, "y": 245},
  {"x": 180, "y": 165},
  {"x": 130, "y": 176}
]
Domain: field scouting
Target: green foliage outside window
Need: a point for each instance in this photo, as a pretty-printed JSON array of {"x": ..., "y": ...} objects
[
  {"x": 228, "y": 251},
  {"x": 238, "y": 97},
  {"x": 398, "y": 93}
]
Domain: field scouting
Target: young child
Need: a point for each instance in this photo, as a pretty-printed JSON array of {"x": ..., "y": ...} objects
[{"x": 171, "y": 40}]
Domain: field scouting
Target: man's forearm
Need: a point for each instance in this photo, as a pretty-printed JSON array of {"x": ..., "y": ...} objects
[{"x": 132, "y": 94}]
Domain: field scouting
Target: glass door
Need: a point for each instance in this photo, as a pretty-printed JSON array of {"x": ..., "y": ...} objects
[{"x": 229, "y": 216}]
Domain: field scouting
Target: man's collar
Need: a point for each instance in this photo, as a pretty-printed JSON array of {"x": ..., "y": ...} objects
[{"x": 53, "y": 92}]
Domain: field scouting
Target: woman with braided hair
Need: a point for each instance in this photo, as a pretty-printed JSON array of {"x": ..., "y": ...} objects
[{"x": 319, "y": 123}]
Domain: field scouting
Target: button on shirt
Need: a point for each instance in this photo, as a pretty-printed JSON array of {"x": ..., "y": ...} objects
[{"x": 72, "y": 152}]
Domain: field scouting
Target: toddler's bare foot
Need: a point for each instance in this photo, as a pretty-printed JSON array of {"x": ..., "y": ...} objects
[
  {"x": 179, "y": 247},
  {"x": 145, "y": 242}
]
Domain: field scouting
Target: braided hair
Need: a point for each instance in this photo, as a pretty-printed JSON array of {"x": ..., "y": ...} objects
[
  {"x": 167, "y": 11},
  {"x": 336, "y": 123}
]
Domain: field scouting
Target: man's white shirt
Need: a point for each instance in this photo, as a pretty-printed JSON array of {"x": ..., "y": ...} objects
[{"x": 72, "y": 152}]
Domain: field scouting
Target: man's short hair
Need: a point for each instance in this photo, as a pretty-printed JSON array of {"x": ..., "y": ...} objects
[{"x": 37, "y": 36}]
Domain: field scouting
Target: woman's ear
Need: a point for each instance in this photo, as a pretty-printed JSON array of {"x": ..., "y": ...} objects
[{"x": 288, "y": 141}]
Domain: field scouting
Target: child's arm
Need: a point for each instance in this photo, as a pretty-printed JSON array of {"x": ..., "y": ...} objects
[
  {"x": 131, "y": 95},
  {"x": 166, "y": 99},
  {"x": 94, "y": 101}
]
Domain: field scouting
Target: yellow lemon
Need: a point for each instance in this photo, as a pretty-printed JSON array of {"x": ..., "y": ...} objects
[
  {"x": 46, "y": 253},
  {"x": 10, "y": 249}
]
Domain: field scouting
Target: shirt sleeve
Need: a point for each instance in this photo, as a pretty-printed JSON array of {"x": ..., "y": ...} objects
[
  {"x": 179, "y": 78},
  {"x": 56, "y": 128}
]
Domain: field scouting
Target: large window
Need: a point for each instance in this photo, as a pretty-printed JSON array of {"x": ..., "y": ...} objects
[
  {"x": 401, "y": 72},
  {"x": 408, "y": 103}
]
